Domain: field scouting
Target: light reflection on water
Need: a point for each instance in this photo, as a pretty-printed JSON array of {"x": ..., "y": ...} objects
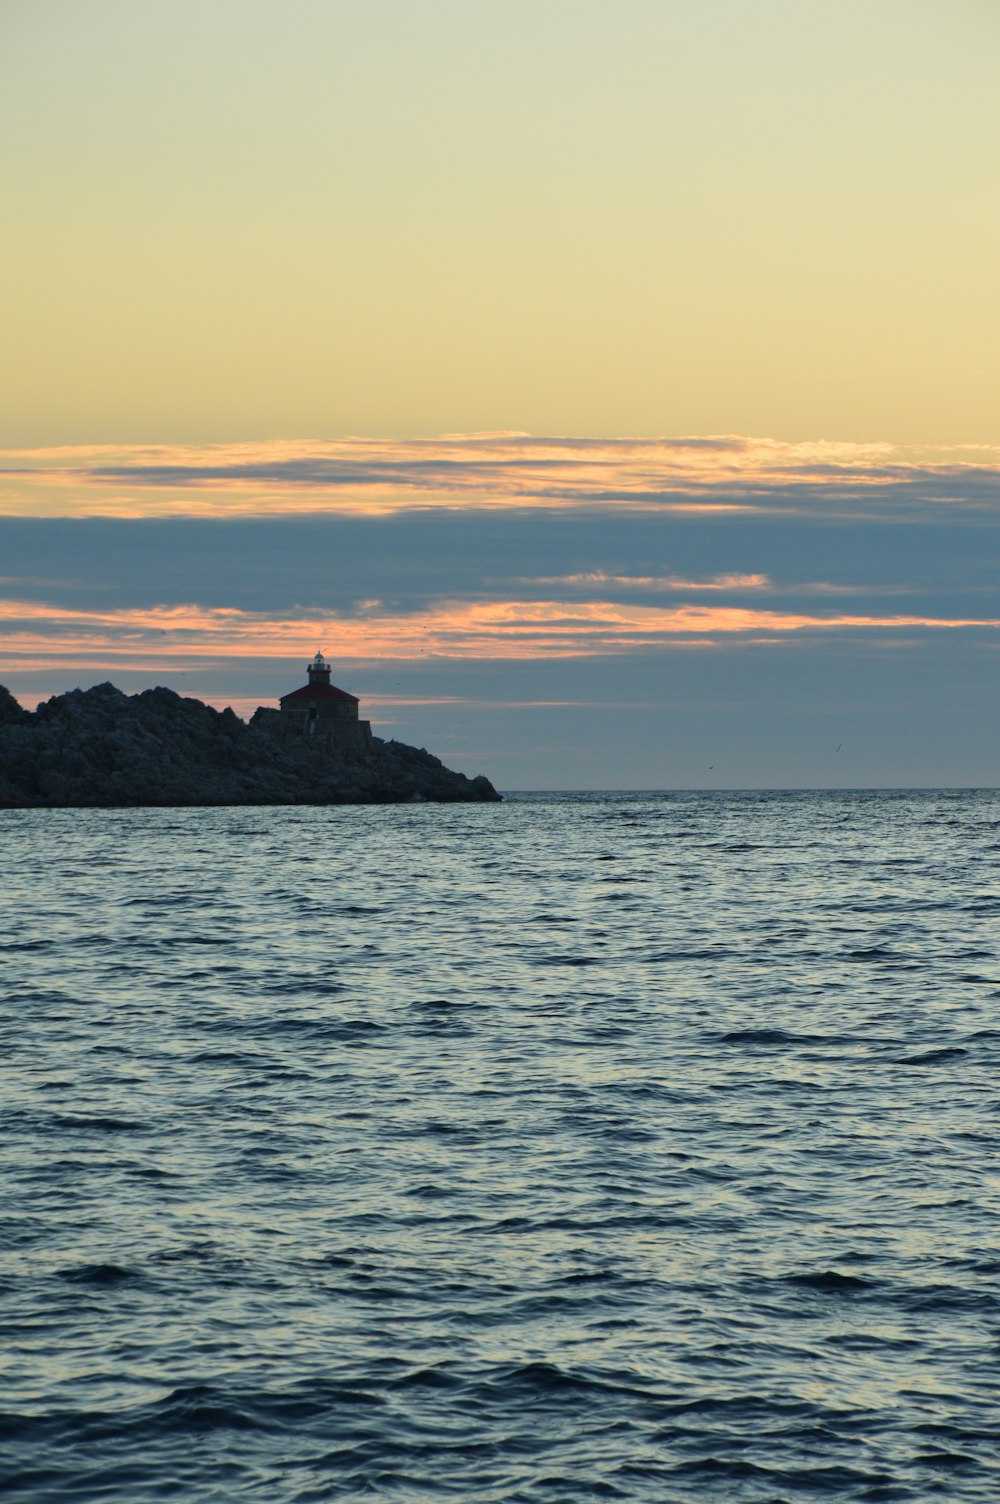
[{"x": 581, "y": 1147}]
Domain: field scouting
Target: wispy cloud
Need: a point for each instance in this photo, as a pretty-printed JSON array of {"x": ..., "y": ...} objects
[
  {"x": 162, "y": 637},
  {"x": 735, "y": 583},
  {"x": 725, "y": 475}
]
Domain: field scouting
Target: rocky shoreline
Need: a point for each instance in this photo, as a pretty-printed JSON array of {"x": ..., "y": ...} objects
[{"x": 100, "y": 748}]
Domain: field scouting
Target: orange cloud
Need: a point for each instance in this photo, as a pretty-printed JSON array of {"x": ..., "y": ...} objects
[
  {"x": 165, "y": 637},
  {"x": 718, "y": 473}
]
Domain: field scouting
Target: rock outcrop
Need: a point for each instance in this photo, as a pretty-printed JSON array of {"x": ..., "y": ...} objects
[{"x": 100, "y": 747}]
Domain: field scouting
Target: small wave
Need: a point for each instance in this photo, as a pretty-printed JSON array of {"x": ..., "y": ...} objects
[
  {"x": 934, "y": 1057},
  {"x": 946, "y": 1459},
  {"x": 706, "y": 953},
  {"x": 96, "y": 1274},
  {"x": 543, "y": 1380},
  {"x": 572, "y": 960},
  {"x": 770, "y": 1038},
  {"x": 838, "y": 1482},
  {"x": 830, "y": 1281},
  {"x": 96, "y": 1124}
]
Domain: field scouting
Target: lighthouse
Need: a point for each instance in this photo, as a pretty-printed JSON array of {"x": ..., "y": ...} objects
[{"x": 322, "y": 711}]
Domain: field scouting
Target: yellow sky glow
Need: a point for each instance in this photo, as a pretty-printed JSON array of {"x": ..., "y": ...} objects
[{"x": 228, "y": 221}]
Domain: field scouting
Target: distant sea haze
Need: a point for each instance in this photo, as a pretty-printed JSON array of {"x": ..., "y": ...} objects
[{"x": 581, "y": 1147}]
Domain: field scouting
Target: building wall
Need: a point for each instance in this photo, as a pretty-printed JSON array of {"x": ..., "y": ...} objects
[
  {"x": 336, "y": 733},
  {"x": 326, "y": 710}
]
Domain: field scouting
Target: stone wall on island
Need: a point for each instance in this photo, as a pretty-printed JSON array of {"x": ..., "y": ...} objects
[
  {"x": 347, "y": 736},
  {"x": 100, "y": 747}
]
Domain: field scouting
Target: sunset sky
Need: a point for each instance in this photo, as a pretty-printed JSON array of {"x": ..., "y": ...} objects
[{"x": 612, "y": 391}]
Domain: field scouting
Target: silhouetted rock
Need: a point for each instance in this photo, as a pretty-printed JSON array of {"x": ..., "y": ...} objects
[
  {"x": 100, "y": 747},
  {"x": 10, "y": 710}
]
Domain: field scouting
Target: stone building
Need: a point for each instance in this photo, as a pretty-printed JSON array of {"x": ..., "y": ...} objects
[{"x": 322, "y": 711}]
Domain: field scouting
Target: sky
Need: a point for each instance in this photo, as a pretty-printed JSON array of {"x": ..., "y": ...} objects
[{"x": 610, "y": 391}]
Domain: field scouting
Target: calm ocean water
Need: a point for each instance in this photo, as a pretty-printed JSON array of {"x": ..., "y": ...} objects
[{"x": 587, "y": 1147}]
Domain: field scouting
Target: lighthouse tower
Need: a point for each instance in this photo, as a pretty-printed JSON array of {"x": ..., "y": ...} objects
[{"x": 318, "y": 670}]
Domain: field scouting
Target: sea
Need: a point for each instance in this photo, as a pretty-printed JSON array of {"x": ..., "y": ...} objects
[{"x": 636, "y": 1146}]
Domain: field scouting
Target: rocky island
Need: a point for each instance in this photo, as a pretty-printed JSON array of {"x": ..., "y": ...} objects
[{"x": 100, "y": 747}]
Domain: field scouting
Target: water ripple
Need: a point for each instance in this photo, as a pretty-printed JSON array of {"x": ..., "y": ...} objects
[{"x": 583, "y": 1147}]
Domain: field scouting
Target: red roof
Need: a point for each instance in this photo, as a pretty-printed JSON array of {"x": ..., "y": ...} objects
[{"x": 316, "y": 692}]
